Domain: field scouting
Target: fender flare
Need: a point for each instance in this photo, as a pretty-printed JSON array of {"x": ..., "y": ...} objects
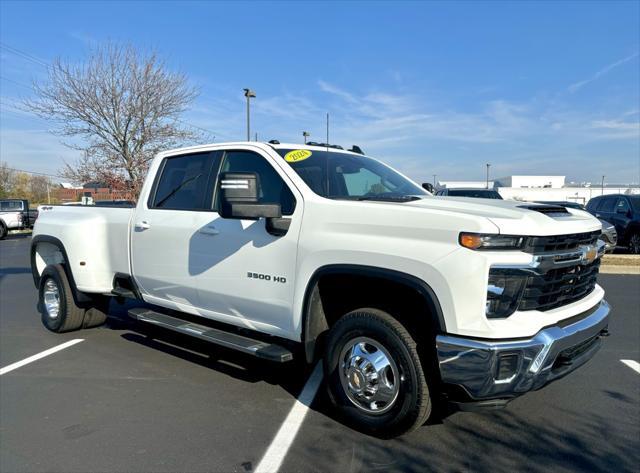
[
  {"x": 79, "y": 296},
  {"x": 314, "y": 325}
]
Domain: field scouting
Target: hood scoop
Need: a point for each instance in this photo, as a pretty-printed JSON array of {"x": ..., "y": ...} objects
[{"x": 550, "y": 210}]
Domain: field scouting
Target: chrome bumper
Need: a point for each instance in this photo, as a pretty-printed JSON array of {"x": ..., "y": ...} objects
[{"x": 488, "y": 369}]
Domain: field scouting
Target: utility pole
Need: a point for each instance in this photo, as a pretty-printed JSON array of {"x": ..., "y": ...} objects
[
  {"x": 305, "y": 135},
  {"x": 603, "y": 185},
  {"x": 249, "y": 94},
  {"x": 488, "y": 166}
]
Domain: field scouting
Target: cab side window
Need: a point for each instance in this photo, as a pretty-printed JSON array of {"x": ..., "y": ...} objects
[
  {"x": 183, "y": 183},
  {"x": 622, "y": 206},
  {"x": 273, "y": 189},
  {"x": 607, "y": 205}
]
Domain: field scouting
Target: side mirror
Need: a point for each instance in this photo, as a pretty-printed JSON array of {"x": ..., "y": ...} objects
[
  {"x": 428, "y": 187},
  {"x": 239, "y": 193}
]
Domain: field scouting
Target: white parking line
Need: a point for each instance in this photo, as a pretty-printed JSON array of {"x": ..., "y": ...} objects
[
  {"x": 634, "y": 365},
  {"x": 280, "y": 445},
  {"x": 42, "y": 354}
]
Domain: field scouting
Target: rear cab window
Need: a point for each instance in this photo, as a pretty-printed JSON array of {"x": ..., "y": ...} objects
[
  {"x": 11, "y": 205},
  {"x": 184, "y": 182}
]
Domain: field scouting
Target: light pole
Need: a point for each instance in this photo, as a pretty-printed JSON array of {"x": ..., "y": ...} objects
[
  {"x": 602, "y": 185},
  {"x": 434, "y": 181},
  {"x": 249, "y": 94},
  {"x": 488, "y": 166},
  {"x": 305, "y": 135}
]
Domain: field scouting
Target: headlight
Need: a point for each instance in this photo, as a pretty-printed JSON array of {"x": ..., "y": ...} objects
[
  {"x": 504, "y": 290},
  {"x": 479, "y": 241}
]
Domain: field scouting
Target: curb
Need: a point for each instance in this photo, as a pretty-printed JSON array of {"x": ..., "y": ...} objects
[{"x": 616, "y": 269}]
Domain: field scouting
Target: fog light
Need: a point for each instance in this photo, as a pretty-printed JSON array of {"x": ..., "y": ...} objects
[
  {"x": 507, "y": 367},
  {"x": 504, "y": 290}
]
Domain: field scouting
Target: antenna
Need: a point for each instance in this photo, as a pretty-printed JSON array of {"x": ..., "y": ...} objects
[
  {"x": 326, "y": 170},
  {"x": 327, "y": 129}
]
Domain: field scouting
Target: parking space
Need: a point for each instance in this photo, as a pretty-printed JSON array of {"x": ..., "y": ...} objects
[{"x": 131, "y": 398}]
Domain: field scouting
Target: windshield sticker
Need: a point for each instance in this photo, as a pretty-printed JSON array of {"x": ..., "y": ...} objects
[{"x": 297, "y": 155}]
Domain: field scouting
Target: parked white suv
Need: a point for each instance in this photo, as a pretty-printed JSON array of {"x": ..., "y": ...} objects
[{"x": 274, "y": 249}]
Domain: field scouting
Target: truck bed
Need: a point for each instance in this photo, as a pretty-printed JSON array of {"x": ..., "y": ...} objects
[{"x": 96, "y": 240}]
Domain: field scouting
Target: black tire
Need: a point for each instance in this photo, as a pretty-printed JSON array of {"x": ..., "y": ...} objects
[
  {"x": 3, "y": 230},
  {"x": 634, "y": 244},
  {"x": 412, "y": 405},
  {"x": 70, "y": 315}
]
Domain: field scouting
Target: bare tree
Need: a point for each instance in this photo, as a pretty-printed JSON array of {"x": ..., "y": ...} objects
[
  {"x": 39, "y": 189},
  {"x": 7, "y": 180},
  {"x": 120, "y": 107}
]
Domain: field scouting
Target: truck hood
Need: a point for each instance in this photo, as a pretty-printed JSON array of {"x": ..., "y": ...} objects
[{"x": 515, "y": 217}]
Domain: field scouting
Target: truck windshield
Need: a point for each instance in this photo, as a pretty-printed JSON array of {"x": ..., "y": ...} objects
[{"x": 336, "y": 175}]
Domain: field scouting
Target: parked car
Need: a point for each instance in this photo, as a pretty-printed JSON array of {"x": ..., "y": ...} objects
[
  {"x": 15, "y": 215},
  {"x": 470, "y": 192},
  {"x": 283, "y": 250},
  {"x": 609, "y": 235},
  {"x": 623, "y": 211}
]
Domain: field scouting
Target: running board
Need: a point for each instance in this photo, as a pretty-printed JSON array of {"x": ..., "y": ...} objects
[{"x": 267, "y": 351}]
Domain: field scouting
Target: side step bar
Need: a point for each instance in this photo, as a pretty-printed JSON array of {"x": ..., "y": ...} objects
[{"x": 267, "y": 351}]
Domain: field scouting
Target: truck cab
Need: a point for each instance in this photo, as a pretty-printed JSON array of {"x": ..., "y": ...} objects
[
  {"x": 15, "y": 215},
  {"x": 284, "y": 250}
]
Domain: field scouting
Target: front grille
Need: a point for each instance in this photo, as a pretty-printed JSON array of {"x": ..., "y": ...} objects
[
  {"x": 542, "y": 244},
  {"x": 558, "y": 287}
]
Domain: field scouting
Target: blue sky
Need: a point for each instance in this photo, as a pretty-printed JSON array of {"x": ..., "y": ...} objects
[{"x": 431, "y": 88}]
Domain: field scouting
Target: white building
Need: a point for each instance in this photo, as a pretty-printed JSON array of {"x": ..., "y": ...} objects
[
  {"x": 553, "y": 182},
  {"x": 470, "y": 184},
  {"x": 542, "y": 188}
]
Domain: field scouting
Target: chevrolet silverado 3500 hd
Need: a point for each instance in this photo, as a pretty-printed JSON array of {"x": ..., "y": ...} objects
[{"x": 274, "y": 249}]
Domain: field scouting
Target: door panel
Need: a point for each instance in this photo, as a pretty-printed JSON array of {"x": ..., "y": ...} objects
[
  {"x": 179, "y": 205},
  {"x": 163, "y": 257},
  {"x": 245, "y": 272},
  {"x": 242, "y": 270}
]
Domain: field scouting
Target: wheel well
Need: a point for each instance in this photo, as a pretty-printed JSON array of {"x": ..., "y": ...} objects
[
  {"x": 46, "y": 253},
  {"x": 46, "y": 250},
  {"x": 333, "y": 294}
]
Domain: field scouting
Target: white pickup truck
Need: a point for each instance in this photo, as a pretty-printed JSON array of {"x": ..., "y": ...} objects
[{"x": 279, "y": 250}]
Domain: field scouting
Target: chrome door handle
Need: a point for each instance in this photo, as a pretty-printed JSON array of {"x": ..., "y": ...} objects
[
  {"x": 142, "y": 225},
  {"x": 209, "y": 230}
]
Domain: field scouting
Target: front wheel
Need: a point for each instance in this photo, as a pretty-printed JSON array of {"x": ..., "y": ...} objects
[
  {"x": 3, "y": 230},
  {"x": 374, "y": 374}
]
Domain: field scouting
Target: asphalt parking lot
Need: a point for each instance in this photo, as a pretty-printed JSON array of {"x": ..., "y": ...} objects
[{"x": 129, "y": 399}]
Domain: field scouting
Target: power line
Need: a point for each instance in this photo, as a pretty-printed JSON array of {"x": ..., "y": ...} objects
[
  {"x": 36, "y": 173},
  {"x": 24, "y": 55},
  {"x": 16, "y": 82}
]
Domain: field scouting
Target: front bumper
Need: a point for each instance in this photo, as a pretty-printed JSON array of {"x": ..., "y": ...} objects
[{"x": 487, "y": 369}]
